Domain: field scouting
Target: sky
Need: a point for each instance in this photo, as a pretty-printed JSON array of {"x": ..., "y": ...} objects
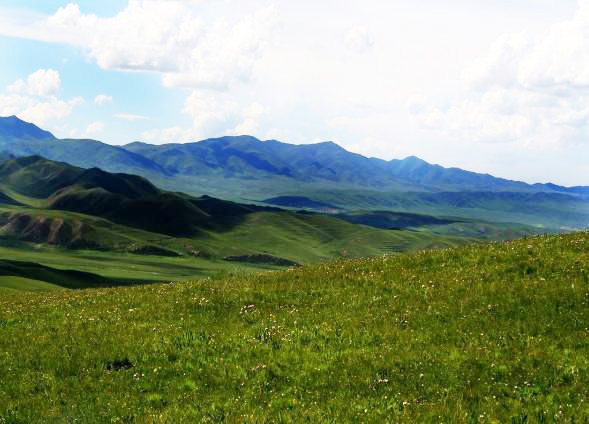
[{"x": 499, "y": 87}]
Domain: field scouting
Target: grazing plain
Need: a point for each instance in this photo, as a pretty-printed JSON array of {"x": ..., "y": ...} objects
[{"x": 487, "y": 333}]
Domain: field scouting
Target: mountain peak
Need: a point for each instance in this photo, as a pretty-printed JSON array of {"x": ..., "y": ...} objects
[
  {"x": 14, "y": 128},
  {"x": 414, "y": 159},
  {"x": 330, "y": 145}
]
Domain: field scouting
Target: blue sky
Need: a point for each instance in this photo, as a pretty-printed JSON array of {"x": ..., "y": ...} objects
[{"x": 490, "y": 86}]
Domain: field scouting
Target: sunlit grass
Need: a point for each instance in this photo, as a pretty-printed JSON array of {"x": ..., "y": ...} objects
[{"x": 493, "y": 333}]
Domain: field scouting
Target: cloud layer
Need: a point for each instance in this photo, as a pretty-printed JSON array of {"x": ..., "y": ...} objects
[
  {"x": 168, "y": 37},
  {"x": 531, "y": 89}
]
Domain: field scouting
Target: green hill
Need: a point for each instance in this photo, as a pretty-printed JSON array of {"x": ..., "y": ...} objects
[
  {"x": 122, "y": 198},
  {"x": 492, "y": 333}
]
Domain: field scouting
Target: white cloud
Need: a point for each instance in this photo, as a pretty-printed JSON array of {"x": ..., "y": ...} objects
[
  {"x": 94, "y": 128},
  {"x": 44, "y": 82},
  {"x": 359, "y": 39},
  {"x": 18, "y": 86},
  {"x": 102, "y": 99},
  {"x": 531, "y": 89},
  {"x": 168, "y": 135},
  {"x": 170, "y": 37},
  {"x": 131, "y": 117},
  {"x": 35, "y": 110},
  {"x": 35, "y": 100},
  {"x": 213, "y": 114}
]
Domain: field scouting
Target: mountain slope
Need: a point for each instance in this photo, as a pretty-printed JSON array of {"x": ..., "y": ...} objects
[{"x": 126, "y": 199}]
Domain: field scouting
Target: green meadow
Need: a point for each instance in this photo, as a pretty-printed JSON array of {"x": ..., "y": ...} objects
[{"x": 489, "y": 333}]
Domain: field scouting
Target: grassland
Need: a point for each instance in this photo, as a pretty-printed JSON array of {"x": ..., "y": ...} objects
[
  {"x": 488, "y": 333},
  {"x": 103, "y": 268}
]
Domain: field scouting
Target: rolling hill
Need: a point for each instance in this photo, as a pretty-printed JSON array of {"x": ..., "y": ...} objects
[{"x": 492, "y": 333}]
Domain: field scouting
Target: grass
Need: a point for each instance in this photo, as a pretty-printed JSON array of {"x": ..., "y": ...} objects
[
  {"x": 18, "y": 283},
  {"x": 106, "y": 268},
  {"x": 491, "y": 333}
]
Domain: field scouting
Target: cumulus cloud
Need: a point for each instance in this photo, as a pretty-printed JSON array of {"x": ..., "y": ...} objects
[
  {"x": 102, "y": 99},
  {"x": 165, "y": 36},
  {"x": 36, "y": 99},
  {"x": 531, "y": 89},
  {"x": 42, "y": 82},
  {"x": 174, "y": 134},
  {"x": 18, "y": 86},
  {"x": 94, "y": 128}
]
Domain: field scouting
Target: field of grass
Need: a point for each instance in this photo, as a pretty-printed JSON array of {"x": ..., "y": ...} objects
[
  {"x": 490, "y": 333},
  {"x": 105, "y": 268}
]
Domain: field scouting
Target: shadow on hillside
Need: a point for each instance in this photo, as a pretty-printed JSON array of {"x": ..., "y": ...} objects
[{"x": 69, "y": 279}]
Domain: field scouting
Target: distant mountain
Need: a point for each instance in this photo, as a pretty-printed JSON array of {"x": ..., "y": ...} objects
[
  {"x": 245, "y": 169},
  {"x": 418, "y": 171},
  {"x": 6, "y": 156},
  {"x": 12, "y": 128},
  {"x": 299, "y": 202},
  {"x": 20, "y": 138},
  {"x": 249, "y": 159},
  {"x": 246, "y": 157}
]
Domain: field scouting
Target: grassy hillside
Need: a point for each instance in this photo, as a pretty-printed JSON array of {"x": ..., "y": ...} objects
[
  {"x": 30, "y": 267},
  {"x": 36, "y": 277},
  {"x": 493, "y": 333}
]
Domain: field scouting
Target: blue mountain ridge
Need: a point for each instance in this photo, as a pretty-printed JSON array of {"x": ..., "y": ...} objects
[{"x": 247, "y": 158}]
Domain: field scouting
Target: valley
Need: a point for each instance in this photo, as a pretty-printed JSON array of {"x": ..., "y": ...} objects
[
  {"x": 122, "y": 229},
  {"x": 283, "y": 205}
]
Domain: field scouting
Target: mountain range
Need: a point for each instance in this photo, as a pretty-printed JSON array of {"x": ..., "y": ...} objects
[{"x": 243, "y": 168}]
